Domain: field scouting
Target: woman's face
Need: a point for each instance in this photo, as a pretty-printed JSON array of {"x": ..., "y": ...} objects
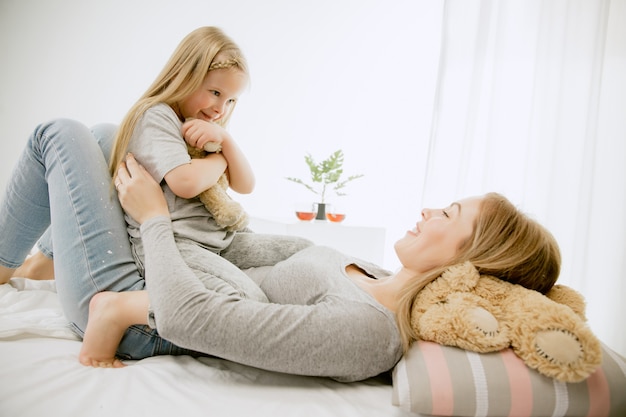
[
  {"x": 436, "y": 238},
  {"x": 216, "y": 96}
]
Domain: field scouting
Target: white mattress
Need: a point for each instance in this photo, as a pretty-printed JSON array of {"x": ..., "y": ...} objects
[{"x": 40, "y": 376}]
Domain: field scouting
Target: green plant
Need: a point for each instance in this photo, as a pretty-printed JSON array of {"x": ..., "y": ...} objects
[{"x": 328, "y": 174}]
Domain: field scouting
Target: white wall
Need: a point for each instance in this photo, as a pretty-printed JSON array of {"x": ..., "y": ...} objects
[{"x": 325, "y": 75}]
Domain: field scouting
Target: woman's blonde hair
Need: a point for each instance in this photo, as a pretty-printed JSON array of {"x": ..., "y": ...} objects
[
  {"x": 203, "y": 50},
  {"x": 505, "y": 243}
]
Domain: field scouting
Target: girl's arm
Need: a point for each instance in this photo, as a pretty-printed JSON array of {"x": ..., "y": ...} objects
[
  {"x": 158, "y": 144},
  {"x": 240, "y": 175},
  {"x": 189, "y": 180}
]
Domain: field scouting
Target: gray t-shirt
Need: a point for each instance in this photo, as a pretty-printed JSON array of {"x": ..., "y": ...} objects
[
  {"x": 157, "y": 144},
  {"x": 318, "y": 321}
]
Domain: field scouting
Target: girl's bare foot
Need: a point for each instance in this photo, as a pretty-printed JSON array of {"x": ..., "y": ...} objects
[
  {"x": 105, "y": 328},
  {"x": 37, "y": 266}
]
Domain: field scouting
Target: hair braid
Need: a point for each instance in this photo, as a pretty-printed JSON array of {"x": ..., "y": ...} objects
[{"x": 223, "y": 64}]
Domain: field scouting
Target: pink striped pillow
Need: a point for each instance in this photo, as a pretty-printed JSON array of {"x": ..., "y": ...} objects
[{"x": 448, "y": 381}]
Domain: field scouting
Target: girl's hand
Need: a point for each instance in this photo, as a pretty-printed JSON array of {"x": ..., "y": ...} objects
[
  {"x": 199, "y": 132},
  {"x": 139, "y": 194}
]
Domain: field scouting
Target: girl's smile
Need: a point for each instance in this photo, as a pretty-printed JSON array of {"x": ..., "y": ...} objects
[{"x": 216, "y": 96}]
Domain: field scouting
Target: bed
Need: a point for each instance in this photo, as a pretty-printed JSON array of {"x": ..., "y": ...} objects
[{"x": 40, "y": 375}]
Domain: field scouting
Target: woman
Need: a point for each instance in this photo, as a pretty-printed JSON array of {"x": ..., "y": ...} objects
[{"x": 313, "y": 336}]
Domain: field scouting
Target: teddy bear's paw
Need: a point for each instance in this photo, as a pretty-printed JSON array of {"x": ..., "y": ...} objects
[
  {"x": 241, "y": 224},
  {"x": 231, "y": 217},
  {"x": 484, "y": 321},
  {"x": 566, "y": 355},
  {"x": 229, "y": 214},
  {"x": 459, "y": 321},
  {"x": 226, "y": 218},
  {"x": 558, "y": 346},
  {"x": 236, "y": 225}
]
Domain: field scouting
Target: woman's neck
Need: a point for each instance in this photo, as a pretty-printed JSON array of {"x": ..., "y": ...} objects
[{"x": 386, "y": 291}]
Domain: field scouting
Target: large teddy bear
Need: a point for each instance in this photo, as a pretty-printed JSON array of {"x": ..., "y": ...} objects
[
  {"x": 227, "y": 212},
  {"x": 485, "y": 314}
]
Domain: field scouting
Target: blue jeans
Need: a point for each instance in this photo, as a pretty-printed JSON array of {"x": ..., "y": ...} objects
[{"x": 62, "y": 180}]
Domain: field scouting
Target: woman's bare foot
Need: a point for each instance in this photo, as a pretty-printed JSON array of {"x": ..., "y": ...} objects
[
  {"x": 5, "y": 274},
  {"x": 37, "y": 266},
  {"x": 110, "y": 314},
  {"x": 105, "y": 328}
]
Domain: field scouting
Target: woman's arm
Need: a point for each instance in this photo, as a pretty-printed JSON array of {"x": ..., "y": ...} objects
[{"x": 335, "y": 338}]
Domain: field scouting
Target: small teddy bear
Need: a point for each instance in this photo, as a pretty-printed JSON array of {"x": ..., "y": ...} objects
[
  {"x": 485, "y": 314},
  {"x": 227, "y": 212}
]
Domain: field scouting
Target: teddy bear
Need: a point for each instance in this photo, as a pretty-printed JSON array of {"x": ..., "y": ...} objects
[
  {"x": 227, "y": 212},
  {"x": 482, "y": 313}
]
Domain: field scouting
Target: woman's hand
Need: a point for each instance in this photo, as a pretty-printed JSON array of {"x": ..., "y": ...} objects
[{"x": 139, "y": 194}]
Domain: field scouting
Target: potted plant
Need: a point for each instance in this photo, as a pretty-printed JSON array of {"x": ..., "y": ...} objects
[{"x": 325, "y": 177}]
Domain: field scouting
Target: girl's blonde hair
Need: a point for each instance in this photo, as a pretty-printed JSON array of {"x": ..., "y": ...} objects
[
  {"x": 506, "y": 244},
  {"x": 203, "y": 50}
]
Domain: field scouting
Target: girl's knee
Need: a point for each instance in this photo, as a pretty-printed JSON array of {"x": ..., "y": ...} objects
[{"x": 302, "y": 243}]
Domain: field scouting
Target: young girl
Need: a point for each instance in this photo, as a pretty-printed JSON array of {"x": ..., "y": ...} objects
[{"x": 191, "y": 102}]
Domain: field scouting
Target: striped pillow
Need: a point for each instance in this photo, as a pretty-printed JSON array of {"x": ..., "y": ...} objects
[{"x": 448, "y": 381}]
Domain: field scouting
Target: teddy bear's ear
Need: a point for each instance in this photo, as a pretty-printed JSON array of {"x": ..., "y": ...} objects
[
  {"x": 569, "y": 297},
  {"x": 460, "y": 277}
]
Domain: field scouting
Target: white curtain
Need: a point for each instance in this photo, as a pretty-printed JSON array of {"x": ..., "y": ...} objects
[{"x": 531, "y": 102}]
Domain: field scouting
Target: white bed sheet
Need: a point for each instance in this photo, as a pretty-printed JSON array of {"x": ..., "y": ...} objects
[{"x": 40, "y": 376}]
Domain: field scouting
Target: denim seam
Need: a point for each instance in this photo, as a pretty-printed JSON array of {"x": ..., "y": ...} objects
[{"x": 72, "y": 200}]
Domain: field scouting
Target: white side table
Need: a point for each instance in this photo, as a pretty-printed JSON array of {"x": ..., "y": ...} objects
[{"x": 367, "y": 243}]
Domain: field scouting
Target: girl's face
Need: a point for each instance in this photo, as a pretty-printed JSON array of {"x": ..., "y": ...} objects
[
  {"x": 436, "y": 238},
  {"x": 215, "y": 97}
]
